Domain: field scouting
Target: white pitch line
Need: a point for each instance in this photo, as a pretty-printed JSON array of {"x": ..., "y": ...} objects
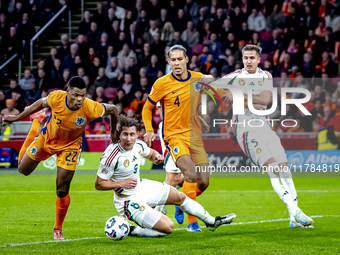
[
  {"x": 177, "y": 229},
  {"x": 207, "y": 191}
]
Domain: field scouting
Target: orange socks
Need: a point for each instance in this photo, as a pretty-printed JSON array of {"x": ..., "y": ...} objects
[
  {"x": 189, "y": 189},
  {"x": 62, "y": 205},
  {"x": 30, "y": 138}
]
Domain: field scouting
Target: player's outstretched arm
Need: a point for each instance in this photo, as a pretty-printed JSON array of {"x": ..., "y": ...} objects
[
  {"x": 147, "y": 120},
  {"x": 102, "y": 184},
  {"x": 35, "y": 107},
  {"x": 155, "y": 157},
  {"x": 113, "y": 112}
]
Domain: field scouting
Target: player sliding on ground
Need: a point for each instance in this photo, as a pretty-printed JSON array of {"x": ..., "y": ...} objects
[
  {"x": 133, "y": 197},
  {"x": 61, "y": 136},
  {"x": 260, "y": 143}
]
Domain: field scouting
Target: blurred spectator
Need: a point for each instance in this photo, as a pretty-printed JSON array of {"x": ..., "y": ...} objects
[
  {"x": 178, "y": 41},
  {"x": 326, "y": 83},
  {"x": 110, "y": 19},
  {"x": 25, "y": 83},
  {"x": 321, "y": 29},
  {"x": 116, "y": 82},
  {"x": 64, "y": 50},
  {"x": 215, "y": 47},
  {"x": 256, "y": 21},
  {"x": 168, "y": 32},
  {"x": 128, "y": 87},
  {"x": 4, "y": 25},
  {"x": 205, "y": 33},
  {"x": 124, "y": 55},
  {"x": 121, "y": 99},
  {"x": 102, "y": 80},
  {"x": 328, "y": 139},
  {"x": 307, "y": 68},
  {"x": 10, "y": 110},
  {"x": 180, "y": 22},
  {"x": 92, "y": 55},
  {"x": 13, "y": 86},
  {"x": 137, "y": 104},
  {"x": 125, "y": 24},
  {"x": 69, "y": 59},
  {"x": 56, "y": 71},
  {"x": 244, "y": 34},
  {"x": 102, "y": 130},
  {"x": 231, "y": 43},
  {"x": 42, "y": 82},
  {"x": 33, "y": 94},
  {"x": 119, "y": 11},
  {"x": 93, "y": 36},
  {"x": 145, "y": 57},
  {"x": 132, "y": 35},
  {"x": 238, "y": 53},
  {"x": 153, "y": 8},
  {"x": 324, "y": 8},
  {"x": 152, "y": 31},
  {"x": 101, "y": 47},
  {"x": 202, "y": 16},
  {"x": 274, "y": 43},
  {"x": 13, "y": 42},
  {"x": 99, "y": 96},
  {"x": 329, "y": 103},
  {"x": 328, "y": 66},
  {"x": 85, "y": 24},
  {"x": 163, "y": 18},
  {"x": 284, "y": 82},
  {"x": 93, "y": 72},
  {"x": 229, "y": 66},
  {"x": 99, "y": 16},
  {"x": 114, "y": 31},
  {"x": 218, "y": 21},
  {"x": 153, "y": 68},
  {"x": 77, "y": 63},
  {"x": 172, "y": 10},
  {"x": 110, "y": 70},
  {"x": 61, "y": 83},
  {"x": 80, "y": 72},
  {"x": 275, "y": 18},
  {"x": 157, "y": 46},
  {"x": 328, "y": 120},
  {"x": 26, "y": 31},
  {"x": 121, "y": 41},
  {"x": 2, "y": 99},
  {"x": 144, "y": 85},
  {"x": 226, "y": 29},
  {"x": 255, "y": 39},
  {"x": 133, "y": 70},
  {"x": 333, "y": 20},
  {"x": 49, "y": 61},
  {"x": 142, "y": 23},
  {"x": 19, "y": 99}
]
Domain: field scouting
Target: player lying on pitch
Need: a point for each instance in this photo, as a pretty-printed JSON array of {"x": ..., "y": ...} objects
[
  {"x": 61, "y": 136},
  {"x": 135, "y": 197}
]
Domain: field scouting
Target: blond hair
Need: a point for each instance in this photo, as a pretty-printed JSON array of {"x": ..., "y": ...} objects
[{"x": 252, "y": 47}]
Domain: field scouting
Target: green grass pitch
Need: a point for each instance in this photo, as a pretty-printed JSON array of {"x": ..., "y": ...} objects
[{"x": 28, "y": 208}]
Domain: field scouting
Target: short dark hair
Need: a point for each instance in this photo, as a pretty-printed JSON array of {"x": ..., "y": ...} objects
[
  {"x": 124, "y": 121},
  {"x": 77, "y": 82},
  {"x": 252, "y": 47},
  {"x": 177, "y": 47}
]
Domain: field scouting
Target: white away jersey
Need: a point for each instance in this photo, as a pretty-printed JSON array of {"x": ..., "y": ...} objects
[
  {"x": 257, "y": 82},
  {"x": 117, "y": 164}
]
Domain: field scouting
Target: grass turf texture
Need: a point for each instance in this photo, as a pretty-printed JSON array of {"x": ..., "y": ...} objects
[{"x": 28, "y": 217}]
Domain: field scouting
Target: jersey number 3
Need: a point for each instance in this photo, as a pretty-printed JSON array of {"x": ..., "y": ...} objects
[{"x": 177, "y": 101}]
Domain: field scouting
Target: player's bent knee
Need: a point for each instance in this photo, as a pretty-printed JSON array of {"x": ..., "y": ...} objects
[
  {"x": 62, "y": 193},
  {"x": 203, "y": 184}
]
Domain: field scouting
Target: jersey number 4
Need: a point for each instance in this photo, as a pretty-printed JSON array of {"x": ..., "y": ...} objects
[{"x": 177, "y": 101}]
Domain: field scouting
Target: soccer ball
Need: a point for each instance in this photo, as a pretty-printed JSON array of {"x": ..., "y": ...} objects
[{"x": 117, "y": 228}]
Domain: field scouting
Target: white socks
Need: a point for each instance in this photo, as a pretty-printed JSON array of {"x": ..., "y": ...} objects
[
  {"x": 281, "y": 188},
  {"x": 287, "y": 177},
  {"x": 147, "y": 232},
  {"x": 193, "y": 208}
]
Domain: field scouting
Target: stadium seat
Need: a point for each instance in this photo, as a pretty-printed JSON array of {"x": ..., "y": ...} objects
[
  {"x": 197, "y": 49},
  {"x": 96, "y": 127},
  {"x": 17, "y": 134},
  {"x": 335, "y": 80},
  {"x": 110, "y": 93},
  {"x": 265, "y": 35}
]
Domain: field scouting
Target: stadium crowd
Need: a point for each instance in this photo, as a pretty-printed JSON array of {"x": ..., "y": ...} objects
[{"x": 122, "y": 49}]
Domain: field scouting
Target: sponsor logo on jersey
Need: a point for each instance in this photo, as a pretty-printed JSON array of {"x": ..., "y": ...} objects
[
  {"x": 252, "y": 84},
  {"x": 142, "y": 208},
  {"x": 80, "y": 121},
  {"x": 126, "y": 163},
  {"x": 260, "y": 83},
  {"x": 134, "y": 158},
  {"x": 140, "y": 153},
  {"x": 105, "y": 171},
  {"x": 176, "y": 150},
  {"x": 241, "y": 82},
  {"x": 258, "y": 150},
  {"x": 34, "y": 150}
]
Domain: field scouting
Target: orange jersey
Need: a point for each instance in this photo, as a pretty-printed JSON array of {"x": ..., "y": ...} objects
[
  {"x": 179, "y": 100},
  {"x": 66, "y": 127}
]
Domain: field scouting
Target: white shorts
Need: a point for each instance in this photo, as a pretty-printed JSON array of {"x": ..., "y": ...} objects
[
  {"x": 138, "y": 208},
  {"x": 169, "y": 163},
  {"x": 260, "y": 147}
]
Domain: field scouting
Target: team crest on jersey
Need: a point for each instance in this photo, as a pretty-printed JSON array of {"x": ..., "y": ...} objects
[
  {"x": 34, "y": 150},
  {"x": 140, "y": 153},
  {"x": 142, "y": 208},
  {"x": 197, "y": 86},
  {"x": 126, "y": 163},
  {"x": 176, "y": 150},
  {"x": 241, "y": 82},
  {"x": 80, "y": 121},
  {"x": 260, "y": 83},
  {"x": 105, "y": 171},
  {"x": 258, "y": 150}
]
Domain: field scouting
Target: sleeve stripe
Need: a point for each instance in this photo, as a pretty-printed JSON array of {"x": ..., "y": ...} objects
[
  {"x": 104, "y": 110},
  {"x": 113, "y": 154},
  {"x": 152, "y": 102},
  {"x": 141, "y": 145}
]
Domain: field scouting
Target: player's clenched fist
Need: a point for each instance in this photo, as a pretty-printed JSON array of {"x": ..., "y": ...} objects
[
  {"x": 130, "y": 183},
  {"x": 159, "y": 159},
  {"x": 8, "y": 119},
  {"x": 149, "y": 137}
]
